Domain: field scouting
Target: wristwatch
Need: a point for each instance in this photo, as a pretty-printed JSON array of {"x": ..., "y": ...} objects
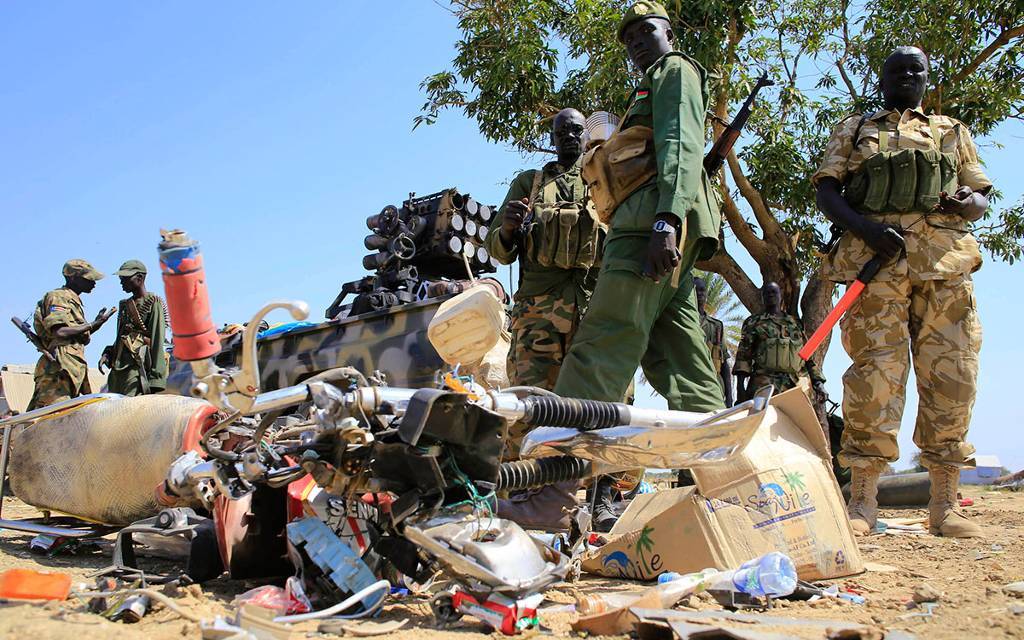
[{"x": 660, "y": 226}]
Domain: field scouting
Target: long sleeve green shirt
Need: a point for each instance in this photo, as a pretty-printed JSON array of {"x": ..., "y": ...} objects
[
  {"x": 537, "y": 279},
  {"x": 671, "y": 99}
]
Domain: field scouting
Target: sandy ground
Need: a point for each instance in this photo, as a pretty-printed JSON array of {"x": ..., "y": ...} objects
[{"x": 969, "y": 573}]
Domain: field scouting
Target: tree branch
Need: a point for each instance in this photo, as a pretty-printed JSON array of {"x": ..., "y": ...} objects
[
  {"x": 764, "y": 217},
  {"x": 756, "y": 246},
  {"x": 986, "y": 53},
  {"x": 723, "y": 264},
  {"x": 840, "y": 64}
]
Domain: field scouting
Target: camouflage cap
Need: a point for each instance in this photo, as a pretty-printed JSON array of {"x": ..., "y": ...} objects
[
  {"x": 639, "y": 11},
  {"x": 130, "y": 268},
  {"x": 79, "y": 267}
]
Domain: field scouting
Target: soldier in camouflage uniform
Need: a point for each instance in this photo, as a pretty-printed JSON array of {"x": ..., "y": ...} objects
[
  {"x": 714, "y": 337},
  {"x": 59, "y": 321},
  {"x": 920, "y": 174},
  {"x": 767, "y": 353},
  {"x": 137, "y": 360},
  {"x": 547, "y": 224}
]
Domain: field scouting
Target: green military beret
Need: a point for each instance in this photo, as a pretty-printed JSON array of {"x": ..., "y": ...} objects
[
  {"x": 130, "y": 268},
  {"x": 639, "y": 11},
  {"x": 79, "y": 267}
]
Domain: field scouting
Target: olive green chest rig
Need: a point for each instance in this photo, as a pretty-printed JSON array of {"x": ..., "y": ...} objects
[
  {"x": 562, "y": 234},
  {"x": 895, "y": 180}
]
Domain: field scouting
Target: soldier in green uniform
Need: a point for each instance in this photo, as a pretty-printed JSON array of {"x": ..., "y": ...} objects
[
  {"x": 547, "y": 224},
  {"x": 714, "y": 338},
  {"x": 768, "y": 351},
  {"x": 663, "y": 219},
  {"x": 137, "y": 360},
  {"x": 59, "y": 320},
  {"x": 899, "y": 168}
]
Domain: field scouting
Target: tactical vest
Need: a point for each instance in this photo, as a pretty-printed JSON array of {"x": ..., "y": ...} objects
[
  {"x": 563, "y": 235},
  {"x": 902, "y": 180},
  {"x": 780, "y": 355},
  {"x": 617, "y": 167}
]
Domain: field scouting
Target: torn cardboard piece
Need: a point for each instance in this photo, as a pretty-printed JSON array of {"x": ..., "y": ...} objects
[{"x": 778, "y": 494}]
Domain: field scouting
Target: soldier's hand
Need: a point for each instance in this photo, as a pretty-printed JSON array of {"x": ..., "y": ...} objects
[
  {"x": 512, "y": 220},
  {"x": 662, "y": 254},
  {"x": 955, "y": 203},
  {"x": 884, "y": 242},
  {"x": 102, "y": 317},
  {"x": 104, "y": 360}
]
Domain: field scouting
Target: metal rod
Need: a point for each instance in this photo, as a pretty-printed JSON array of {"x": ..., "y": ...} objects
[{"x": 57, "y": 407}]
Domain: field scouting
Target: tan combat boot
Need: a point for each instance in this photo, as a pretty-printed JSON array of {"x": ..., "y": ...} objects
[
  {"x": 863, "y": 506},
  {"x": 943, "y": 518}
]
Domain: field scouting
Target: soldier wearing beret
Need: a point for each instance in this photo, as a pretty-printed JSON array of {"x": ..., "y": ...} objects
[
  {"x": 137, "y": 360},
  {"x": 59, "y": 321}
]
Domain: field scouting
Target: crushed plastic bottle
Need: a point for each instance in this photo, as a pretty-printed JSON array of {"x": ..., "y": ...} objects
[{"x": 773, "y": 574}]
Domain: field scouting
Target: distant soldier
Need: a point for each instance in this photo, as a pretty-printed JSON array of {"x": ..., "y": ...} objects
[
  {"x": 714, "y": 337},
  {"x": 919, "y": 174},
  {"x": 59, "y": 320},
  {"x": 545, "y": 222},
  {"x": 768, "y": 351},
  {"x": 137, "y": 360}
]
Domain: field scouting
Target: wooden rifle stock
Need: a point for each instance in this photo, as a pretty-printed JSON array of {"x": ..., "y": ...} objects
[{"x": 720, "y": 150}]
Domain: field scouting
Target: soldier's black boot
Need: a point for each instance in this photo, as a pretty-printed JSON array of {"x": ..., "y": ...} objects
[{"x": 604, "y": 513}]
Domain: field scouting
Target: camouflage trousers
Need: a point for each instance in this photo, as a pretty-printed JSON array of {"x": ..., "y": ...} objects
[
  {"x": 542, "y": 329},
  {"x": 52, "y": 388},
  {"x": 938, "y": 321}
]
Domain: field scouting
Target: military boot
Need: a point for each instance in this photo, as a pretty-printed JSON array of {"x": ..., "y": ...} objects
[
  {"x": 547, "y": 509},
  {"x": 604, "y": 511},
  {"x": 863, "y": 506},
  {"x": 943, "y": 517}
]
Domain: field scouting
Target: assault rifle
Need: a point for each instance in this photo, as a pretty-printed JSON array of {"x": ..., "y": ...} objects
[
  {"x": 36, "y": 341},
  {"x": 720, "y": 150}
]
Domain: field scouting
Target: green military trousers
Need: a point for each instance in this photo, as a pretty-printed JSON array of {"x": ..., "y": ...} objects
[{"x": 632, "y": 321}]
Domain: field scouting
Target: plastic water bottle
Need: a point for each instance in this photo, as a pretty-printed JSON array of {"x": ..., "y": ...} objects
[{"x": 770, "y": 575}]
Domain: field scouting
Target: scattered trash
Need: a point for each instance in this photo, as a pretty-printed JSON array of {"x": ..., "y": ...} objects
[
  {"x": 868, "y": 633},
  {"x": 926, "y": 593},
  {"x": 1015, "y": 589},
  {"x": 1016, "y": 609},
  {"x": 288, "y": 600},
  {"x": 495, "y": 610},
  {"x": 361, "y": 628},
  {"x": 736, "y": 624},
  {"x": 51, "y": 545},
  {"x": 132, "y": 609},
  {"x": 778, "y": 494},
  {"x": 966, "y": 502},
  {"x": 612, "y": 614},
  {"x": 878, "y": 567},
  {"x": 26, "y": 584},
  {"x": 928, "y": 607}
]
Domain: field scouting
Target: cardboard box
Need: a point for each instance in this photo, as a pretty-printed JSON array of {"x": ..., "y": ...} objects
[{"x": 778, "y": 494}]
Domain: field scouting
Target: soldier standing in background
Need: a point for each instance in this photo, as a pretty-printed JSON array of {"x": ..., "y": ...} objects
[
  {"x": 546, "y": 224},
  {"x": 59, "y": 321},
  {"x": 137, "y": 360},
  {"x": 899, "y": 168},
  {"x": 549, "y": 226},
  {"x": 768, "y": 351},
  {"x": 714, "y": 338}
]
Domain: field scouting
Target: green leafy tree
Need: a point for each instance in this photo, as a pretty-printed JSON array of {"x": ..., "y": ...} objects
[{"x": 518, "y": 61}]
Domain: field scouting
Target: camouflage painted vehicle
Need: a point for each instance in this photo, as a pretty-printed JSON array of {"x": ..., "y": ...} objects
[
  {"x": 423, "y": 249},
  {"x": 392, "y": 341}
]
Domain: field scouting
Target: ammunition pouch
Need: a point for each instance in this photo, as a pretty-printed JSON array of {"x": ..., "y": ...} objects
[
  {"x": 616, "y": 168},
  {"x": 780, "y": 355},
  {"x": 902, "y": 181},
  {"x": 562, "y": 235}
]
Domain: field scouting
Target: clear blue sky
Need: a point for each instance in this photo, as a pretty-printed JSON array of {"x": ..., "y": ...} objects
[{"x": 270, "y": 132}]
